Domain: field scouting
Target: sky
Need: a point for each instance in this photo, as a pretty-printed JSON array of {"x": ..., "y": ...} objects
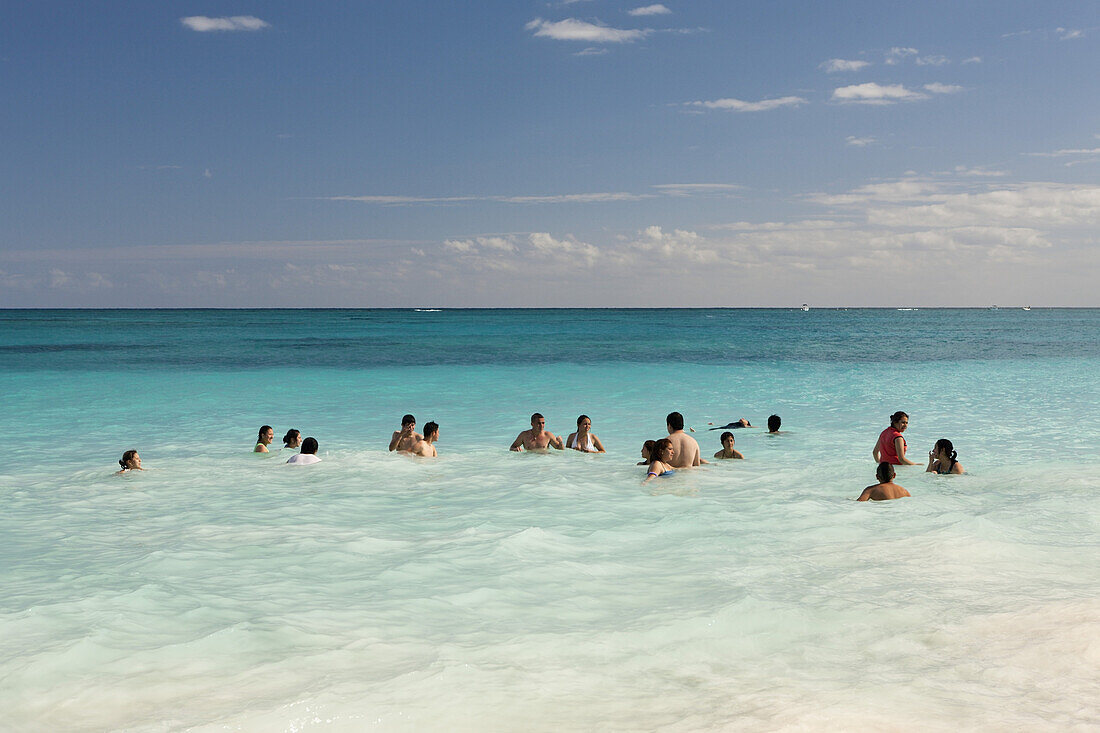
[{"x": 589, "y": 153}]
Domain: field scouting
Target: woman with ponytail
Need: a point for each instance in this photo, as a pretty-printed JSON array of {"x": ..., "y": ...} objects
[
  {"x": 943, "y": 458},
  {"x": 890, "y": 447}
]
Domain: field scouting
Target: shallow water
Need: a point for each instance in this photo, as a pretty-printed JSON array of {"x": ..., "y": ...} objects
[{"x": 500, "y": 591}]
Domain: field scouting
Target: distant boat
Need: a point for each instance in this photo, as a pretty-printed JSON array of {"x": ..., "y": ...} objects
[
  {"x": 906, "y": 309},
  {"x": 994, "y": 308},
  {"x": 1027, "y": 307},
  {"x": 805, "y": 307}
]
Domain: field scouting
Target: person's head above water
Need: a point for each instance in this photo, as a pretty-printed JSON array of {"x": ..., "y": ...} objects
[
  {"x": 408, "y": 420},
  {"x": 662, "y": 450},
  {"x": 582, "y": 419},
  {"x": 885, "y": 473},
  {"x": 900, "y": 421},
  {"x": 726, "y": 436},
  {"x": 773, "y": 423},
  {"x": 538, "y": 422},
  {"x": 266, "y": 435},
  {"x": 130, "y": 459},
  {"x": 647, "y": 448},
  {"x": 674, "y": 421},
  {"x": 309, "y": 446},
  {"x": 431, "y": 430},
  {"x": 292, "y": 438},
  {"x": 944, "y": 446}
]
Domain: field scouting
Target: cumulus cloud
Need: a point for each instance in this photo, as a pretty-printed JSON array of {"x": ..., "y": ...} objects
[
  {"x": 872, "y": 93},
  {"x": 203, "y": 24},
  {"x": 572, "y": 29},
  {"x": 973, "y": 60},
  {"x": 656, "y": 9},
  {"x": 833, "y": 66},
  {"x": 860, "y": 142},
  {"x": 897, "y": 54},
  {"x": 739, "y": 105}
]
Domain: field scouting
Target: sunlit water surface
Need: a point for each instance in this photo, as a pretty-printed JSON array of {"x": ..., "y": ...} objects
[{"x": 489, "y": 590}]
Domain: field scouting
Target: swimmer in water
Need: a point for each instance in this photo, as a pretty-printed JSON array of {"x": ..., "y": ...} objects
[
  {"x": 425, "y": 447},
  {"x": 406, "y": 437},
  {"x": 891, "y": 445},
  {"x": 266, "y": 436},
  {"x": 942, "y": 458},
  {"x": 662, "y": 454},
  {"x": 742, "y": 423},
  {"x": 292, "y": 439},
  {"x": 130, "y": 461},
  {"x": 885, "y": 489},
  {"x": 308, "y": 454},
  {"x": 728, "y": 451},
  {"x": 774, "y": 421},
  {"x": 647, "y": 449},
  {"x": 538, "y": 437},
  {"x": 583, "y": 440},
  {"x": 685, "y": 448}
]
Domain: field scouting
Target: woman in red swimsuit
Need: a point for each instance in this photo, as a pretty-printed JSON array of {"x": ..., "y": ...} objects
[{"x": 890, "y": 447}]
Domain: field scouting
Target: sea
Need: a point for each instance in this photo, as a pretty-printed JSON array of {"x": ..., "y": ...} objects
[{"x": 488, "y": 590}]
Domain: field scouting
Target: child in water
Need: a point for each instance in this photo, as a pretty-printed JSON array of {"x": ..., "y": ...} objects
[{"x": 885, "y": 489}]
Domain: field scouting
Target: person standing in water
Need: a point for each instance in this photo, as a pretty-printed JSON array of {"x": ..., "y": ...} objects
[
  {"x": 264, "y": 439},
  {"x": 885, "y": 489},
  {"x": 292, "y": 439},
  {"x": 425, "y": 447},
  {"x": 661, "y": 466},
  {"x": 891, "y": 446},
  {"x": 406, "y": 437},
  {"x": 685, "y": 448},
  {"x": 307, "y": 456},
  {"x": 728, "y": 451},
  {"x": 130, "y": 461},
  {"x": 583, "y": 440},
  {"x": 774, "y": 422},
  {"x": 943, "y": 457},
  {"x": 538, "y": 437}
]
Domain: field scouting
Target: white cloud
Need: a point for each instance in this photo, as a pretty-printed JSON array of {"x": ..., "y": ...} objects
[
  {"x": 962, "y": 170},
  {"x": 1067, "y": 152},
  {"x": 572, "y": 29},
  {"x": 207, "y": 174},
  {"x": 203, "y": 24},
  {"x": 860, "y": 142},
  {"x": 1067, "y": 34},
  {"x": 833, "y": 66},
  {"x": 896, "y": 54},
  {"x": 872, "y": 93},
  {"x": 656, "y": 9},
  {"x": 933, "y": 61},
  {"x": 937, "y": 88},
  {"x": 573, "y": 198},
  {"x": 973, "y": 60},
  {"x": 738, "y": 105},
  {"x": 692, "y": 189},
  {"x": 479, "y": 244},
  {"x": 568, "y": 248},
  {"x": 592, "y": 51}
]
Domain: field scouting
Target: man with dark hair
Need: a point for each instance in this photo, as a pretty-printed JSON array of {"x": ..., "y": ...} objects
[
  {"x": 774, "y": 422},
  {"x": 406, "y": 437},
  {"x": 538, "y": 437},
  {"x": 685, "y": 448},
  {"x": 424, "y": 446}
]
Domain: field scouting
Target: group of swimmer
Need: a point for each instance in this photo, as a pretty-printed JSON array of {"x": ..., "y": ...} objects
[{"x": 661, "y": 457}]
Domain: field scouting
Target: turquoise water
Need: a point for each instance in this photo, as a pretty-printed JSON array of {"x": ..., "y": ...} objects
[{"x": 495, "y": 591}]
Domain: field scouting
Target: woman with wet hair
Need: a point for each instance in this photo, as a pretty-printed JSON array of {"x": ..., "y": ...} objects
[
  {"x": 583, "y": 440},
  {"x": 890, "y": 447},
  {"x": 292, "y": 439},
  {"x": 130, "y": 461},
  {"x": 943, "y": 457},
  {"x": 647, "y": 449},
  {"x": 660, "y": 464},
  {"x": 266, "y": 435}
]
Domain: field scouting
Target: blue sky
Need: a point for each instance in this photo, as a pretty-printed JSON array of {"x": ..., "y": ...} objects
[{"x": 589, "y": 153}]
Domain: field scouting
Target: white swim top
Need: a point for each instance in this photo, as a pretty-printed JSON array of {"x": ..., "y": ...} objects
[
  {"x": 591, "y": 444},
  {"x": 303, "y": 459}
]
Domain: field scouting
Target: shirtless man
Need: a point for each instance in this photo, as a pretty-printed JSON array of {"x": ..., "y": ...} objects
[
  {"x": 685, "y": 449},
  {"x": 885, "y": 489},
  {"x": 424, "y": 446},
  {"x": 405, "y": 438},
  {"x": 538, "y": 437}
]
